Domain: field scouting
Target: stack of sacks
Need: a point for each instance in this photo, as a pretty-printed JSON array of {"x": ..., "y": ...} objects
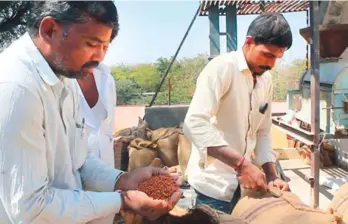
[
  {"x": 168, "y": 144},
  {"x": 122, "y": 140},
  {"x": 280, "y": 208},
  {"x": 339, "y": 203}
]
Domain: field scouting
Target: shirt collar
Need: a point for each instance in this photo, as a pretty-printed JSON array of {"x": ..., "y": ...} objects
[
  {"x": 242, "y": 64},
  {"x": 39, "y": 61},
  {"x": 102, "y": 69}
]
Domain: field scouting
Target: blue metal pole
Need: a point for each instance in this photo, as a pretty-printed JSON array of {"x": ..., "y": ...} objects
[
  {"x": 214, "y": 30},
  {"x": 231, "y": 28}
]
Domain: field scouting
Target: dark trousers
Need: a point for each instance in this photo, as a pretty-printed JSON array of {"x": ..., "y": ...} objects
[{"x": 223, "y": 206}]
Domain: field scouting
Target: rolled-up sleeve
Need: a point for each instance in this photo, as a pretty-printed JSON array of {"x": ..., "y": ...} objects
[
  {"x": 263, "y": 151},
  {"x": 212, "y": 84},
  {"x": 25, "y": 189}
]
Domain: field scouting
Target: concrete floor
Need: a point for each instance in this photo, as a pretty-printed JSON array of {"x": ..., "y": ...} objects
[{"x": 296, "y": 172}]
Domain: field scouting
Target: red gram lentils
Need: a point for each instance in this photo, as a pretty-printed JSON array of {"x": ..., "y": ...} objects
[{"x": 159, "y": 187}]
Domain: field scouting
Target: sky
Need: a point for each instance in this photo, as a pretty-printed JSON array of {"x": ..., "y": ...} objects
[{"x": 153, "y": 29}]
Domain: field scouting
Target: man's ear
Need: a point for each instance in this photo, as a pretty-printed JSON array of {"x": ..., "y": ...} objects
[
  {"x": 249, "y": 40},
  {"x": 48, "y": 28}
]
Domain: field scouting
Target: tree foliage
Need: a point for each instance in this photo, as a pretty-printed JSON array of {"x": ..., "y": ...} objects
[
  {"x": 182, "y": 80},
  {"x": 136, "y": 84},
  {"x": 13, "y": 20},
  {"x": 146, "y": 78},
  {"x": 287, "y": 77}
]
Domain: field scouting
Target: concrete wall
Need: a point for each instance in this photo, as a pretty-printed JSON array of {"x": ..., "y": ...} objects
[
  {"x": 336, "y": 13},
  {"x": 127, "y": 116}
]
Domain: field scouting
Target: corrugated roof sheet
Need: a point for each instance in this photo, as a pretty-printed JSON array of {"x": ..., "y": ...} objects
[{"x": 248, "y": 7}]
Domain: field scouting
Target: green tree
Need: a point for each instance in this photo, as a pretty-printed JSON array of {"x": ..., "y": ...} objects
[
  {"x": 182, "y": 78},
  {"x": 286, "y": 77},
  {"x": 127, "y": 91},
  {"x": 133, "y": 81},
  {"x": 146, "y": 77},
  {"x": 13, "y": 20},
  {"x": 121, "y": 71},
  {"x": 162, "y": 65}
]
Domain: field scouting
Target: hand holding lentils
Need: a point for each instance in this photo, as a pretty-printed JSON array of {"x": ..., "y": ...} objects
[{"x": 160, "y": 187}]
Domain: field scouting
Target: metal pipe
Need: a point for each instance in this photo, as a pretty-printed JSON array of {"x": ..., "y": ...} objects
[
  {"x": 307, "y": 45},
  {"x": 169, "y": 92},
  {"x": 315, "y": 99},
  {"x": 176, "y": 54}
]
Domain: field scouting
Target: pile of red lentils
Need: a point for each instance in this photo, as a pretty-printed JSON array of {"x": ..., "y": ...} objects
[{"x": 160, "y": 187}]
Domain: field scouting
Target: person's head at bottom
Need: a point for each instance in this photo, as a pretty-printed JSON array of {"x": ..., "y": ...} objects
[
  {"x": 268, "y": 37},
  {"x": 73, "y": 36}
]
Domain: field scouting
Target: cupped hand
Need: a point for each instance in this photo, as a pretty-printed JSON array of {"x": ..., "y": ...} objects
[
  {"x": 131, "y": 180},
  {"x": 143, "y": 205}
]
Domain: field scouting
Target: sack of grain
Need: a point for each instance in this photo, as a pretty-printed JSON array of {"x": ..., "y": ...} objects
[
  {"x": 141, "y": 153},
  {"x": 167, "y": 140},
  {"x": 184, "y": 152},
  {"x": 142, "y": 129},
  {"x": 122, "y": 139},
  {"x": 328, "y": 146},
  {"x": 118, "y": 149},
  {"x": 339, "y": 203},
  {"x": 287, "y": 208},
  {"x": 128, "y": 134},
  {"x": 201, "y": 214}
]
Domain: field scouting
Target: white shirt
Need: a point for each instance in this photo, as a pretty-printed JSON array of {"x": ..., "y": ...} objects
[
  {"x": 44, "y": 162},
  {"x": 100, "y": 118},
  {"x": 225, "y": 91}
]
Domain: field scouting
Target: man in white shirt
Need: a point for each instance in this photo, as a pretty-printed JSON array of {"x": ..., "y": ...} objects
[
  {"x": 236, "y": 89},
  {"x": 98, "y": 100},
  {"x": 47, "y": 174}
]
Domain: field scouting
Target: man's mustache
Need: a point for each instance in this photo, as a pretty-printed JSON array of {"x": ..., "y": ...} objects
[
  {"x": 265, "y": 67},
  {"x": 91, "y": 64}
]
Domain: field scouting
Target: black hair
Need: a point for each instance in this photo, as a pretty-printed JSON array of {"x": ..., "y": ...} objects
[
  {"x": 271, "y": 28},
  {"x": 69, "y": 12}
]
